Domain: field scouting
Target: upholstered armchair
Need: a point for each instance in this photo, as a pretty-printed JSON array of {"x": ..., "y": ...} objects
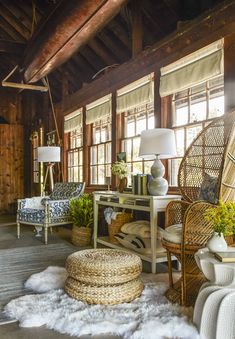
[
  {"x": 206, "y": 175},
  {"x": 48, "y": 211}
]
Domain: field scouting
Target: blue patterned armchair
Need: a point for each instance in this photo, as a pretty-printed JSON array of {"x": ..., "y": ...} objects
[{"x": 48, "y": 211}]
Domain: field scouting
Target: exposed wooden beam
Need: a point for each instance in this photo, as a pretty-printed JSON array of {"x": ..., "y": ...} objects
[
  {"x": 137, "y": 28},
  {"x": 69, "y": 27},
  {"x": 12, "y": 47},
  {"x": 102, "y": 51},
  {"x": 14, "y": 22},
  {"x": 213, "y": 25},
  {"x": 92, "y": 57}
]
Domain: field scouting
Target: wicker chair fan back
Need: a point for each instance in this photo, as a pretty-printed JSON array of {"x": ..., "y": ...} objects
[{"x": 212, "y": 152}]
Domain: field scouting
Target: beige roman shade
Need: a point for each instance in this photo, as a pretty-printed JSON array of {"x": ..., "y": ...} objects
[
  {"x": 137, "y": 93},
  {"x": 193, "y": 69},
  {"x": 98, "y": 109},
  {"x": 73, "y": 121}
]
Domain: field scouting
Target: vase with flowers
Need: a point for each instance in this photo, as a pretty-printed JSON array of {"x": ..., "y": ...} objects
[
  {"x": 119, "y": 168},
  {"x": 222, "y": 218}
]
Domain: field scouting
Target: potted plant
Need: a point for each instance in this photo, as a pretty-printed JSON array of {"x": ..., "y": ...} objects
[
  {"x": 81, "y": 211},
  {"x": 119, "y": 168},
  {"x": 222, "y": 218}
]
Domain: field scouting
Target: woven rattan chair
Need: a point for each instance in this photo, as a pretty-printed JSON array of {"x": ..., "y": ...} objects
[{"x": 211, "y": 154}]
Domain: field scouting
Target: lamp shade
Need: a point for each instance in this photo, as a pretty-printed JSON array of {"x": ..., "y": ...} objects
[
  {"x": 158, "y": 141},
  {"x": 49, "y": 154}
]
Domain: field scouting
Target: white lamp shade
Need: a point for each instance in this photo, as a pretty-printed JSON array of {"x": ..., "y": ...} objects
[
  {"x": 158, "y": 141},
  {"x": 49, "y": 154}
]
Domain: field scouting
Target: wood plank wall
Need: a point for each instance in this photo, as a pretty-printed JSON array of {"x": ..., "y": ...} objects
[{"x": 11, "y": 166}]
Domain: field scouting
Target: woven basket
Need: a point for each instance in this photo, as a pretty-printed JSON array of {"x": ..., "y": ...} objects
[
  {"x": 105, "y": 295},
  {"x": 116, "y": 225},
  {"x": 81, "y": 236},
  {"x": 229, "y": 240},
  {"x": 103, "y": 266}
]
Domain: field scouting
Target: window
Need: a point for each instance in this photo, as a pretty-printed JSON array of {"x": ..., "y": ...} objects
[
  {"x": 35, "y": 144},
  {"x": 73, "y": 129},
  {"x": 75, "y": 156},
  {"x": 135, "y": 121},
  {"x": 100, "y": 151},
  {"x": 192, "y": 109}
]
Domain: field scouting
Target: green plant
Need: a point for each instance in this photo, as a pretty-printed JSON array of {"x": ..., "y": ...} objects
[
  {"x": 81, "y": 210},
  {"x": 222, "y": 217},
  {"x": 119, "y": 168}
]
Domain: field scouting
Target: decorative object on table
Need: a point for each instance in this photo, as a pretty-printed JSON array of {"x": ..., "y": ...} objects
[
  {"x": 49, "y": 211},
  {"x": 49, "y": 155},
  {"x": 115, "y": 221},
  {"x": 119, "y": 168},
  {"x": 225, "y": 256},
  {"x": 108, "y": 182},
  {"x": 121, "y": 156},
  {"x": 214, "y": 157},
  {"x": 222, "y": 218},
  {"x": 103, "y": 276},
  {"x": 157, "y": 144},
  {"x": 140, "y": 183},
  {"x": 81, "y": 211}
]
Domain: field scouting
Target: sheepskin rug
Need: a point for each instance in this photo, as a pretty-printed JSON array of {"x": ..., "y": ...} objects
[{"x": 149, "y": 316}]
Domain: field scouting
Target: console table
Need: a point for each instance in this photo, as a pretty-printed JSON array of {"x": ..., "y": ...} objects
[{"x": 152, "y": 204}]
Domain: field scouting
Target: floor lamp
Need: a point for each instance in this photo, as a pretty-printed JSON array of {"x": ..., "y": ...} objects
[{"x": 49, "y": 155}]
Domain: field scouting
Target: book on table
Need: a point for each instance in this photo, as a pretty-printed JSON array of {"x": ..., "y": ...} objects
[{"x": 225, "y": 256}]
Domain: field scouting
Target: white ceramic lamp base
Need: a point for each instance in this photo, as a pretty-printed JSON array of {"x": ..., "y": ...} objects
[{"x": 158, "y": 185}]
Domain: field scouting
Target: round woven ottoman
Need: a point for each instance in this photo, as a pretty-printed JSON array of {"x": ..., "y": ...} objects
[{"x": 103, "y": 276}]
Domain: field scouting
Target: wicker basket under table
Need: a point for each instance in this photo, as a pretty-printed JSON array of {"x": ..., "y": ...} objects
[
  {"x": 115, "y": 226},
  {"x": 103, "y": 276}
]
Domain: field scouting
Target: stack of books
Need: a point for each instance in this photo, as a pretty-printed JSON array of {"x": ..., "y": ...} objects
[
  {"x": 140, "y": 183},
  {"x": 225, "y": 256}
]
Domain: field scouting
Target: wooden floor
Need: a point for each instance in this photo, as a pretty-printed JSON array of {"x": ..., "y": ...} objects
[{"x": 15, "y": 272}]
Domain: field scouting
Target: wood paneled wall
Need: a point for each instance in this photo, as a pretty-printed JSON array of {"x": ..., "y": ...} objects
[{"x": 11, "y": 166}]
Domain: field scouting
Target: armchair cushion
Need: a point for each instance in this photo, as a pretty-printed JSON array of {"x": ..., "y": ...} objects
[
  {"x": 34, "y": 202},
  {"x": 208, "y": 191},
  {"x": 173, "y": 234},
  {"x": 66, "y": 190},
  {"x": 31, "y": 215}
]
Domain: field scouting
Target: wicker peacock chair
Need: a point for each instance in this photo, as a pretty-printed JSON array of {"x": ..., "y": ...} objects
[{"x": 207, "y": 172}]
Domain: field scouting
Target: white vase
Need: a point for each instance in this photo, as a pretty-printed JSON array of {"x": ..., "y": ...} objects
[{"x": 217, "y": 243}]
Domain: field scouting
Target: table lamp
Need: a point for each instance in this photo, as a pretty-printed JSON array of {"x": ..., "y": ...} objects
[
  {"x": 158, "y": 143},
  {"x": 49, "y": 155}
]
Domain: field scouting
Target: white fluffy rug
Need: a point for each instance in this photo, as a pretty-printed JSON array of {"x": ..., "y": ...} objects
[{"x": 150, "y": 316}]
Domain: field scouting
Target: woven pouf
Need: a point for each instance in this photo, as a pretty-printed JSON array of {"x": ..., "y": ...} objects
[{"x": 103, "y": 276}]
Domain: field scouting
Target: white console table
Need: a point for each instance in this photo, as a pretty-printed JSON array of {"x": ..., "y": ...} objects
[{"x": 153, "y": 205}]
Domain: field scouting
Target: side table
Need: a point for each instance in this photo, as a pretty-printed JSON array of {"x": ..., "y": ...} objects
[{"x": 214, "y": 310}]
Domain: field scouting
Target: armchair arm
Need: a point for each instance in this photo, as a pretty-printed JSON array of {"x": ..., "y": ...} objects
[
  {"x": 196, "y": 230},
  {"x": 175, "y": 211},
  {"x": 21, "y": 203}
]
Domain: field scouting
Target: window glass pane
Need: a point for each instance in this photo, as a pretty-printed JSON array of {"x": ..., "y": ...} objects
[
  {"x": 198, "y": 108},
  {"x": 216, "y": 107},
  {"x": 101, "y": 174},
  {"x": 151, "y": 122},
  {"x": 93, "y": 153},
  {"x": 147, "y": 167},
  {"x": 191, "y": 133},
  {"x": 137, "y": 167},
  {"x": 181, "y": 113},
  {"x": 179, "y": 138},
  {"x": 174, "y": 166},
  {"x": 141, "y": 124},
  {"x": 101, "y": 154},
  {"x": 108, "y": 152},
  {"x": 130, "y": 128},
  {"x": 136, "y": 146}
]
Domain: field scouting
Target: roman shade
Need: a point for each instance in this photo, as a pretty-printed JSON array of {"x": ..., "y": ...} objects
[
  {"x": 98, "y": 109},
  {"x": 137, "y": 93},
  {"x": 193, "y": 69},
  {"x": 73, "y": 121}
]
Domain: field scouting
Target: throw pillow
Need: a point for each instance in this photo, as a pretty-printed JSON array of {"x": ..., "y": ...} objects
[
  {"x": 137, "y": 243},
  {"x": 140, "y": 228},
  {"x": 208, "y": 190}
]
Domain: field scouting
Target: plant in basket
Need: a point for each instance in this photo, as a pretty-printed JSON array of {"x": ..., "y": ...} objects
[
  {"x": 81, "y": 211},
  {"x": 119, "y": 168},
  {"x": 222, "y": 218}
]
